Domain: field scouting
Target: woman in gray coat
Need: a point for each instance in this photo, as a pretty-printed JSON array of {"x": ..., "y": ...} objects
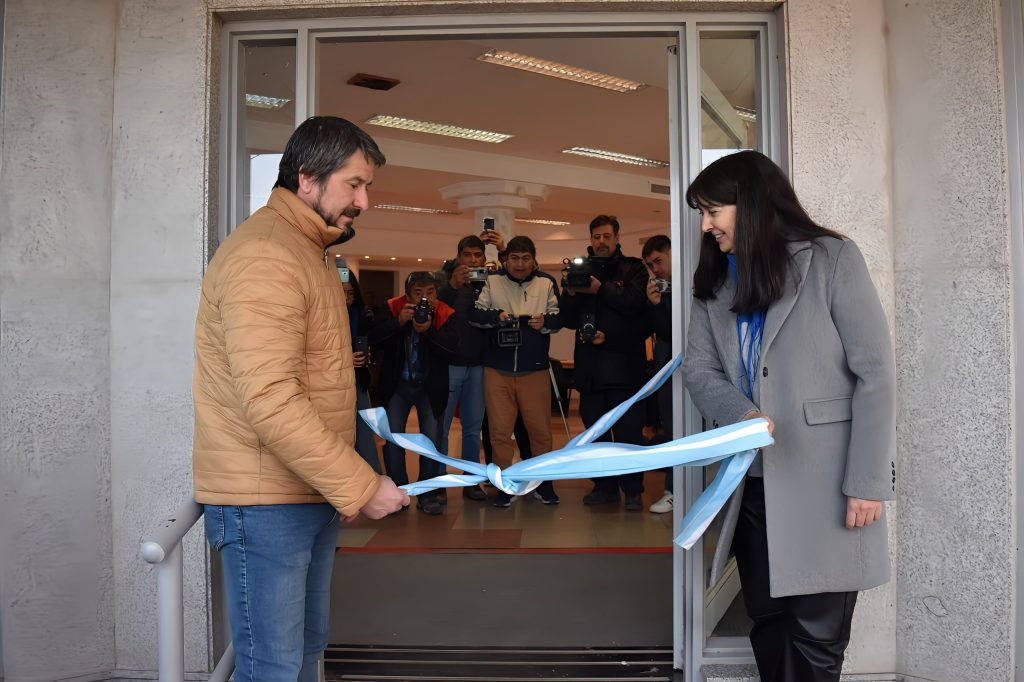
[{"x": 787, "y": 325}]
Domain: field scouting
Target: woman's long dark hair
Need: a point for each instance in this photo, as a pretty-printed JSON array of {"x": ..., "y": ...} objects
[{"x": 768, "y": 217}]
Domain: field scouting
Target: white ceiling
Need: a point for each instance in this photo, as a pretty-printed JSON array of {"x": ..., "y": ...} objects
[{"x": 442, "y": 82}]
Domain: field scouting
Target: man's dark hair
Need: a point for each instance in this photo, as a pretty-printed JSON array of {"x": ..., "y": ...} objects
[
  {"x": 658, "y": 242},
  {"x": 602, "y": 220},
  {"x": 322, "y": 145},
  {"x": 470, "y": 242},
  {"x": 419, "y": 278},
  {"x": 521, "y": 244}
]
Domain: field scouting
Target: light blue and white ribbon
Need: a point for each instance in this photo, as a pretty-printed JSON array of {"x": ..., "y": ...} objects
[{"x": 582, "y": 457}]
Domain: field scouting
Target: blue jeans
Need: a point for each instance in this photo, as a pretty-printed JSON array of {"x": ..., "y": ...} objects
[
  {"x": 366, "y": 446},
  {"x": 407, "y": 396},
  {"x": 277, "y": 579},
  {"x": 465, "y": 391}
]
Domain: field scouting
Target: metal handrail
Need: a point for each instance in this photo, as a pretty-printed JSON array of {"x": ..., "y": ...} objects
[{"x": 162, "y": 549}]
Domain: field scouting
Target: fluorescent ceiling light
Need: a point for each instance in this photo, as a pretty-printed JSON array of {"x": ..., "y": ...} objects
[
  {"x": 265, "y": 102},
  {"x": 416, "y": 209},
  {"x": 538, "y": 221},
  {"x": 437, "y": 128},
  {"x": 557, "y": 70},
  {"x": 616, "y": 156},
  {"x": 748, "y": 115}
]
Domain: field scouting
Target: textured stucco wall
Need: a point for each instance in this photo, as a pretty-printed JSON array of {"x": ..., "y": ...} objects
[
  {"x": 157, "y": 255},
  {"x": 56, "y": 589},
  {"x": 954, "y": 325},
  {"x": 840, "y": 168}
]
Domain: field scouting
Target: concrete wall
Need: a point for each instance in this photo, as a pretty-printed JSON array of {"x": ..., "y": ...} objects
[
  {"x": 954, "y": 333},
  {"x": 157, "y": 258},
  {"x": 840, "y": 149},
  {"x": 56, "y": 578},
  {"x": 106, "y": 209}
]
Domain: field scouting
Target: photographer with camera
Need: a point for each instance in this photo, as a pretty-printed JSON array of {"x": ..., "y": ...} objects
[
  {"x": 416, "y": 336},
  {"x": 466, "y": 372},
  {"x": 604, "y": 298},
  {"x": 657, "y": 255},
  {"x": 519, "y": 308}
]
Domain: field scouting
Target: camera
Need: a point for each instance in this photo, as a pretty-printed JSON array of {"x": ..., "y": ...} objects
[
  {"x": 663, "y": 286},
  {"x": 478, "y": 274},
  {"x": 578, "y": 272},
  {"x": 509, "y": 334},
  {"x": 588, "y": 328},
  {"x": 488, "y": 224},
  {"x": 423, "y": 311},
  {"x": 342, "y": 266}
]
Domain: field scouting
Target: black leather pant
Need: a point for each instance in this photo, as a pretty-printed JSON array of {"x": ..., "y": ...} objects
[{"x": 802, "y": 638}]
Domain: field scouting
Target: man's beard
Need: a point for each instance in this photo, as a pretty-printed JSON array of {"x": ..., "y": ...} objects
[{"x": 332, "y": 220}]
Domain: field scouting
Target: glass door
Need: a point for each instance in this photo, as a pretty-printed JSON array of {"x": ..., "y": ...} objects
[{"x": 730, "y": 110}]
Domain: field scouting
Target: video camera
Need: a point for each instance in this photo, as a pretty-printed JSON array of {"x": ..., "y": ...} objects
[
  {"x": 578, "y": 272},
  {"x": 423, "y": 312},
  {"x": 509, "y": 334}
]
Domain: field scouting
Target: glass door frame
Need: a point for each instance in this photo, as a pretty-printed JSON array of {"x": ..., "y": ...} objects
[
  {"x": 690, "y": 648},
  {"x": 699, "y": 649}
]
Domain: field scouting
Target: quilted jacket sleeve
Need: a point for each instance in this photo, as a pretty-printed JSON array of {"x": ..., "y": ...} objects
[{"x": 264, "y": 308}]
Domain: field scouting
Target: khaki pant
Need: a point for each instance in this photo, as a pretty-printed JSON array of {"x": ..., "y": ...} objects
[{"x": 530, "y": 395}]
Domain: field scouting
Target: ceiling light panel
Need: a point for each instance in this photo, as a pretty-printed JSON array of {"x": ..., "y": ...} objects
[
  {"x": 265, "y": 102},
  {"x": 539, "y": 221},
  {"x": 616, "y": 156},
  {"x": 437, "y": 128},
  {"x": 415, "y": 209},
  {"x": 557, "y": 70}
]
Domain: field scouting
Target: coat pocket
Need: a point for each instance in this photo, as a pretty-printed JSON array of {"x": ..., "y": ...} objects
[{"x": 828, "y": 410}]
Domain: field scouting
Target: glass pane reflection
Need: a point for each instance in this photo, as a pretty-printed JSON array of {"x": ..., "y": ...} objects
[
  {"x": 730, "y": 91},
  {"x": 266, "y": 90}
]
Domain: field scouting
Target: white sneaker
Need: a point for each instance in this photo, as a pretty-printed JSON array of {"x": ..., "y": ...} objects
[{"x": 663, "y": 505}]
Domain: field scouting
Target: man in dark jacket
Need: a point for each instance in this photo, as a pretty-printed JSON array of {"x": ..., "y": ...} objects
[
  {"x": 414, "y": 356},
  {"x": 466, "y": 372},
  {"x": 657, "y": 254},
  {"x": 612, "y": 324}
]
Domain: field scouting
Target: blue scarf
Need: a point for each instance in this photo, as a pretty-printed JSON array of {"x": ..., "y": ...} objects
[{"x": 749, "y": 330}]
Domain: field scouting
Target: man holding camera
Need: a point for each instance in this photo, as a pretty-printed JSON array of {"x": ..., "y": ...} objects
[
  {"x": 605, "y": 300},
  {"x": 657, "y": 255},
  {"x": 415, "y": 336},
  {"x": 520, "y": 310},
  {"x": 466, "y": 372}
]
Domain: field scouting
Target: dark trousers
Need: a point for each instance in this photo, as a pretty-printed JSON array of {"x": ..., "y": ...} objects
[
  {"x": 629, "y": 429},
  {"x": 802, "y": 638}
]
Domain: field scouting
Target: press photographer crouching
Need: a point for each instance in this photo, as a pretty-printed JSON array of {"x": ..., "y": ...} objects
[
  {"x": 415, "y": 337},
  {"x": 605, "y": 300},
  {"x": 519, "y": 308}
]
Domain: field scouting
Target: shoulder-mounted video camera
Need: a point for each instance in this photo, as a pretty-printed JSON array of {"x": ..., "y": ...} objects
[{"x": 578, "y": 272}]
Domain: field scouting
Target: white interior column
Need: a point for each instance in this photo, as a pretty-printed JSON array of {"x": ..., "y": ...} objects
[{"x": 498, "y": 199}]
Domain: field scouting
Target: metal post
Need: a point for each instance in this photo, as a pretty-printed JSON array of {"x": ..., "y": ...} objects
[{"x": 170, "y": 627}]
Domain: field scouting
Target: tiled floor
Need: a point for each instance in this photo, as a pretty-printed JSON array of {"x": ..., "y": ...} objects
[{"x": 526, "y": 525}]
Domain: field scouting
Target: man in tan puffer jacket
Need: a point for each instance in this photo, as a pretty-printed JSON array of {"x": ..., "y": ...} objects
[{"x": 274, "y": 392}]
